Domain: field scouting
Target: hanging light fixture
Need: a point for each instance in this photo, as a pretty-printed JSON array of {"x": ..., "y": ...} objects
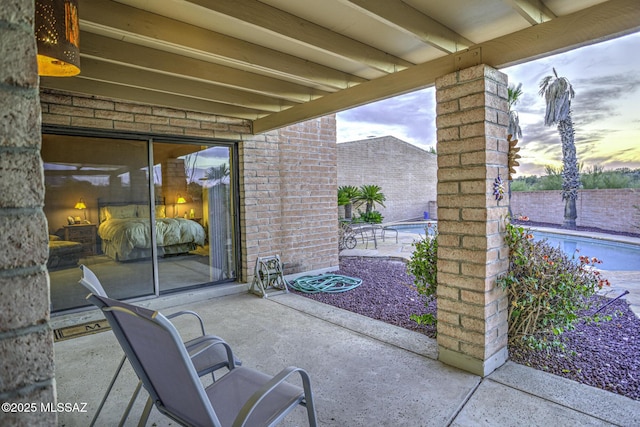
[{"x": 57, "y": 32}]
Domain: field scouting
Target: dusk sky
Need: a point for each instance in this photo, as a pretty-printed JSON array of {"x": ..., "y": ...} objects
[{"x": 606, "y": 110}]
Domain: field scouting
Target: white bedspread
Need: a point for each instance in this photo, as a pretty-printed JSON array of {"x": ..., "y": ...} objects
[{"x": 130, "y": 233}]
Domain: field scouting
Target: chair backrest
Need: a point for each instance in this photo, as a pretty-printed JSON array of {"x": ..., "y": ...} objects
[
  {"x": 161, "y": 361},
  {"x": 90, "y": 281}
]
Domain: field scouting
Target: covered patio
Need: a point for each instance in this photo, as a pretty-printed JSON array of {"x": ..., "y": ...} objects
[
  {"x": 364, "y": 372},
  {"x": 244, "y": 71}
]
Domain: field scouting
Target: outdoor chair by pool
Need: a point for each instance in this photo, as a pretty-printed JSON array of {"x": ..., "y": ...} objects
[
  {"x": 367, "y": 232},
  {"x": 206, "y": 356},
  {"x": 242, "y": 397}
]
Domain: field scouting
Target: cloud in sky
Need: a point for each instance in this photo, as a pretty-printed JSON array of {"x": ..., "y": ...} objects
[{"x": 606, "y": 117}]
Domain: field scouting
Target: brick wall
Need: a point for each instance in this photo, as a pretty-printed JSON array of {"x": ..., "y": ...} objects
[
  {"x": 472, "y": 150},
  {"x": 287, "y": 176},
  {"x": 26, "y": 341},
  {"x": 607, "y": 209},
  {"x": 407, "y": 175},
  {"x": 289, "y": 195}
]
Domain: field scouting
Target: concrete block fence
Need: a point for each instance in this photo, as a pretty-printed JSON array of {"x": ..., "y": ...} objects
[{"x": 611, "y": 209}]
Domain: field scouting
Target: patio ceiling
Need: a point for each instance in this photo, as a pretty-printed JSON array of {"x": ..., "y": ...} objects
[{"x": 278, "y": 62}]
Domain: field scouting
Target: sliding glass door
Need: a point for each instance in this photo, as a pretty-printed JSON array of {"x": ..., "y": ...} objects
[
  {"x": 195, "y": 182},
  {"x": 92, "y": 186},
  {"x": 147, "y": 217}
]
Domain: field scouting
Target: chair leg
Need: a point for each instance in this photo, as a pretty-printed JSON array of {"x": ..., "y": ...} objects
[
  {"x": 145, "y": 413},
  {"x": 130, "y": 405},
  {"x": 106, "y": 394},
  {"x": 308, "y": 399}
]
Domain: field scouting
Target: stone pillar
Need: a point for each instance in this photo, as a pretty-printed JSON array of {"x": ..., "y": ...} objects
[
  {"x": 26, "y": 340},
  {"x": 472, "y": 151}
]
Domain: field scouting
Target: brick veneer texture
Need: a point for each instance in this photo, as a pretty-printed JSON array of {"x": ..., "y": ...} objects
[
  {"x": 406, "y": 174},
  {"x": 612, "y": 209},
  {"x": 26, "y": 341},
  {"x": 287, "y": 176},
  {"x": 472, "y": 152}
]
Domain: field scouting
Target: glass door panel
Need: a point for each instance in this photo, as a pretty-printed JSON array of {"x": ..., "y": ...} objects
[
  {"x": 196, "y": 240},
  {"x": 96, "y": 193}
]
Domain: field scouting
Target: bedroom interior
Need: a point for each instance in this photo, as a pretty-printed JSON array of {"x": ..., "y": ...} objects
[{"x": 98, "y": 207}]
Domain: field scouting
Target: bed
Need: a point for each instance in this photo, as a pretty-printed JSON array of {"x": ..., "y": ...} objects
[
  {"x": 62, "y": 253},
  {"x": 126, "y": 235}
]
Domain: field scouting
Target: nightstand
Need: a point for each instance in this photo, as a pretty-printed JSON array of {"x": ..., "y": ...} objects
[{"x": 82, "y": 233}]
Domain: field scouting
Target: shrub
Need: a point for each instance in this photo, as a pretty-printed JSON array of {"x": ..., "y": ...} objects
[
  {"x": 547, "y": 289},
  {"x": 373, "y": 217},
  {"x": 423, "y": 265}
]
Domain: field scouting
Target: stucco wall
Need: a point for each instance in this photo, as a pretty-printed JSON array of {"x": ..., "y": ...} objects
[
  {"x": 407, "y": 174},
  {"x": 287, "y": 176},
  {"x": 607, "y": 209}
]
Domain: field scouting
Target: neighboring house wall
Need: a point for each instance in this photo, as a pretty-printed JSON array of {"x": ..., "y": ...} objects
[
  {"x": 287, "y": 176},
  {"x": 407, "y": 175},
  {"x": 606, "y": 209}
]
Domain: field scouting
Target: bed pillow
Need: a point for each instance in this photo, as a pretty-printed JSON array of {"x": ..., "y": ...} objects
[
  {"x": 120, "y": 212},
  {"x": 161, "y": 211},
  {"x": 143, "y": 211},
  {"x": 54, "y": 238}
]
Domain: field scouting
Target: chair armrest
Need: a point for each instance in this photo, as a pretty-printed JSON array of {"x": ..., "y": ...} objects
[
  {"x": 201, "y": 344},
  {"x": 255, "y": 399},
  {"x": 188, "y": 312}
]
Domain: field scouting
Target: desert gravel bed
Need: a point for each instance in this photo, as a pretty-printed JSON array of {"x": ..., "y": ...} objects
[{"x": 604, "y": 355}]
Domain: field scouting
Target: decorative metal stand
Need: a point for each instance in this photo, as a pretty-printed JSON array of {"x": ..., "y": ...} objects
[{"x": 267, "y": 276}]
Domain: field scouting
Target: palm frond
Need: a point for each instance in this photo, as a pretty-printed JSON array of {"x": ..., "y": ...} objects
[{"x": 558, "y": 93}]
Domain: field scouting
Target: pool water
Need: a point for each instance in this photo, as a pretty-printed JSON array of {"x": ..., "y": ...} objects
[
  {"x": 413, "y": 228},
  {"x": 615, "y": 256}
]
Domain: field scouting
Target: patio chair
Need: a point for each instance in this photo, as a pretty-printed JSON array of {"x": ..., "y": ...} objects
[
  {"x": 242, "y": 397},
  {"x": 206, "y": 357},
  {"x": 367, "y": 233}
]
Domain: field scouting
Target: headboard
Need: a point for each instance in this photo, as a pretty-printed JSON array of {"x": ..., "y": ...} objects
[{"x": 129, "y": 209}]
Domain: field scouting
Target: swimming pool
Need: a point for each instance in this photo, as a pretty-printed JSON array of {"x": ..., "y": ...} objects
[
  {"x": 414, "y": 227},
  {"x": 615, "y": 256}
]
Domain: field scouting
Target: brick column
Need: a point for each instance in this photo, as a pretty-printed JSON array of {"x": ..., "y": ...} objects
[
  {"x": 472, "y": 151},
  {"x": 26, "y": 340}
]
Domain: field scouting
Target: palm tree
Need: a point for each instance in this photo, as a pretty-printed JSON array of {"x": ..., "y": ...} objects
[
  {"x": 513, "y": 96},
  {"x": 347, "y": 194},
  {"x": 514, "y": 130},
  {"x": 558, "y": 93},
  {"x": 371, "y": 195}
]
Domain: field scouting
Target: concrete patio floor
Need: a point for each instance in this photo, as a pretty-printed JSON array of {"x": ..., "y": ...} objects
[{"x": 364, "y": 372}]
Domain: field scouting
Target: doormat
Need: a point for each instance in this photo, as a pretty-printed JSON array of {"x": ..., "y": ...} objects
[{"x": 80, "y": 330}]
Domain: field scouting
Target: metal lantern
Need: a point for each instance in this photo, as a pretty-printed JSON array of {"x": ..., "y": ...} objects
[{"x": 57, "y": 31}]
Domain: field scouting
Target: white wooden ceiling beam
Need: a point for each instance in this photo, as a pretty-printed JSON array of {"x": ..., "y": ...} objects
[
  {"x": 120, "y": 52},
  {"x": 296, "y": 29},
  {"x": 597, "y": 23},
  {"x": 412, "y": 21},
  {"x": 78, "y": 84},
  {"x": 138, "y": 26},
  {"x": 534, "y": 11},
  {"x": 159, "y": 82}
]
